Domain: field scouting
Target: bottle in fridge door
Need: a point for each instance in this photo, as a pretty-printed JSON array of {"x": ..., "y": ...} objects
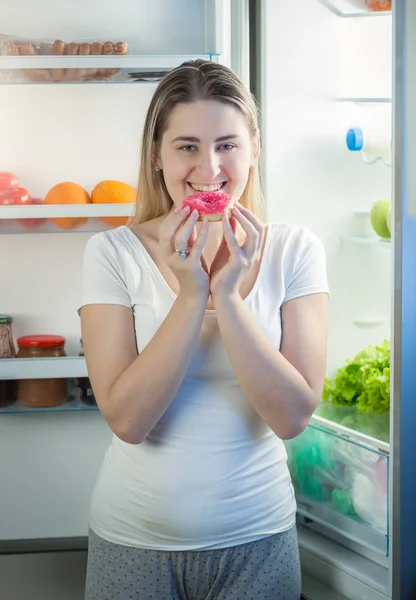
[{"x": 374, "y": 144}]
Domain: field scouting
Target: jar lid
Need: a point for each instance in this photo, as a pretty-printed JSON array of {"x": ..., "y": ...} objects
[
  {"x": 5, "y": 319},
  {"x": 40, "y": 341}
]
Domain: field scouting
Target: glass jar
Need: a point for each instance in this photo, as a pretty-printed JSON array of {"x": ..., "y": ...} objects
[
  {"x": 82, "y": 388},
  {"x": 41, "y": 393},
  {"x": 86, "y": 392},
  {"x": 8, "y": 388}
]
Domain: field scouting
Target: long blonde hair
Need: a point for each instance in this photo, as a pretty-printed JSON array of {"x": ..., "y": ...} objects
[{"x": 191, "y": 81}]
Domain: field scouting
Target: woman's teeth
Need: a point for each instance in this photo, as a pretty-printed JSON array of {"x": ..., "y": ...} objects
[{"x": 207, "y": 188}]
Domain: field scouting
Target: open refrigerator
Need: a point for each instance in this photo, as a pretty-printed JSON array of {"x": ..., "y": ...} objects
[{"x": 318, "y": 68}]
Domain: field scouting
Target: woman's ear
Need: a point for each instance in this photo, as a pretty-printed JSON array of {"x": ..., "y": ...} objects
[
  {"x": 256, "y": 145},
  {"x": 156, "y": 162}
]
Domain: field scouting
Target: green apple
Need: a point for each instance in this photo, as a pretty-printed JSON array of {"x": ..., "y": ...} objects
[
  {"x": 378, "y": 217},
  {"x": 388, "y": 220}
]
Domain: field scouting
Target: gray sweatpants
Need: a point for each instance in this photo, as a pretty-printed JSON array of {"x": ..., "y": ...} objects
[{"x": 267, "y": 569}]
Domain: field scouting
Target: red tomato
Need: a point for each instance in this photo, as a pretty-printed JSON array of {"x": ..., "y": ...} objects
[
  {"x": 17, "y": 196},
  {"x": 33, "y": 223},
  {"x": 8, "y": 181}
]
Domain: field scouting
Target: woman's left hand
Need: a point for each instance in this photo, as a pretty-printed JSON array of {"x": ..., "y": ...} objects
[{"x": 232, "y": 261}]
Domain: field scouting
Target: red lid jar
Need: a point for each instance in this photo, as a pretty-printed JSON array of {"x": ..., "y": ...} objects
[
  {"x": 41, "y": 393},
  {"x": 41, "y": 341}
]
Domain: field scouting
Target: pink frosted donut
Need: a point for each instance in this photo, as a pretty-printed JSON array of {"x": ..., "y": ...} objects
[{"x": 210, "y": 205}]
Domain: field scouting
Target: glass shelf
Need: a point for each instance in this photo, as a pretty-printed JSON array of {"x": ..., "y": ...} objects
[
  {"x": 71, "y": 368},
  {"x": 90, "y": 69},
  {"x": 43, "y": 368},
  {"x": 371, "y": 429},
  {"x": 36, "y": 218},
  {"x": 365, "y": 100},
  {"x": 70, "y": 406},
  {"x": 340, "y": 477},
  {"x": 351, "y": 9},
  {"x": 367, "y": 241}
]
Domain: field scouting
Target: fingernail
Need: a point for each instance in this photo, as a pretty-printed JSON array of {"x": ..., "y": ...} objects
[{"x": 178, "y": 209}]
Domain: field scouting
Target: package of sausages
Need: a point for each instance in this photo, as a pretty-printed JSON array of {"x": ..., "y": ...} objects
[{"x": 15, "y": 46}]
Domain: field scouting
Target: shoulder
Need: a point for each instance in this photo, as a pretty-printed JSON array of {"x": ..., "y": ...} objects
[
  {"x": 291, "y": 241},
  {"x": 104, "y": 241},
  {"x": 300, "y": 254},
  {"x": 116, "y": 246}
]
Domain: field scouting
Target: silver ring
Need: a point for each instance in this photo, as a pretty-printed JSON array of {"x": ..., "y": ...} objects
[{"x": 181, "y": 253}]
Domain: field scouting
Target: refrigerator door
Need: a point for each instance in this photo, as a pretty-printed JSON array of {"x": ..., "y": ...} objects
[{"x": 403, "y": 574}]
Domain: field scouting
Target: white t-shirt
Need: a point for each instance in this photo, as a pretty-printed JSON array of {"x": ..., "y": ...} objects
[{"x": 211, "y": 474}]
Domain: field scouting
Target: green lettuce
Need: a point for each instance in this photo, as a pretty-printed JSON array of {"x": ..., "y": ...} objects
[{"x": 363, "y": 382}]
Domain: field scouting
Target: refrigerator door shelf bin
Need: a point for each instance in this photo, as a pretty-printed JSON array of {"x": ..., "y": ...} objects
[
  {"x": 91, "y": 69},
  {"x": 343, "y": 482},
  {"x": 365, "y": 100},
  {"x": 367, "y": 241},
  {"x": 313, "y": 514},
  {"x": 369, "y": 321},
  {"x": 351, "y": 9}
]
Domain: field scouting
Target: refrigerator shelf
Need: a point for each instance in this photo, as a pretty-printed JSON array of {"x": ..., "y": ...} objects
[
  {"x": 373, "y": 425},
  {"x": 69, "y": 406},
  {"x": 15, "y": 219},
  {"x": 351, "y": 9},
  {"x": 86, "y": 69},
  {"x": 47, "y": 211},
  {"x": 43, "y": 368}
]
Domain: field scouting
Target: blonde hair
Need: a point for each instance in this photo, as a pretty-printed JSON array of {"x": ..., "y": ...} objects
[{"x": 190, "y": 82}]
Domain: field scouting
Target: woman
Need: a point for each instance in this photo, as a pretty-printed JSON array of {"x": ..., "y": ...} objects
[{"x": 206, "y": 346}]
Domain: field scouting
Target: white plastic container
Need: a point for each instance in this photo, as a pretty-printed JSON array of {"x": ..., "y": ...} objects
[{"x": 374, "y": 144}]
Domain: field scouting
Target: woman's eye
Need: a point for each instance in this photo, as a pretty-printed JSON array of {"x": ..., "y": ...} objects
[
  {"x": 188, "y": 148},
  {"x": 227, "y": 147}
]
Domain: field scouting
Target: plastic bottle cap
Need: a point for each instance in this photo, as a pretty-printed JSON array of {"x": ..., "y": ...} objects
[
  {"x": 5, "y": 319},
  {"x": 355, "y": 139},
  {"x": 40, "y": 341}
]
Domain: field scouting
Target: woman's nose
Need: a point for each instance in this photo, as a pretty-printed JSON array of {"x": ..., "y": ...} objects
[{"x": 208, "y": 165}]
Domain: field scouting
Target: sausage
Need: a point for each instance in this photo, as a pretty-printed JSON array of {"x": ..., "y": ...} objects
[
  {"x": 120, "y": 48},
  {"x": 96, "y": 48},
  {"x": 58, "y": 47},
  {"x": 27, "y": 49},
  {"x": 72, "y": 48}
]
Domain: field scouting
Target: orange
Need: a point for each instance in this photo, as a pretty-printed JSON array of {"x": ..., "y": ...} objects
[
  {"x": 113, "y": 192},
  {"x": 68, "y": 193}
]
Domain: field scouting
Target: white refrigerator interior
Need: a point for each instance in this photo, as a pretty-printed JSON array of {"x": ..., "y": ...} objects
[
  {"x": 83, "y": 133},
  {"x": 320, "y": 75}
]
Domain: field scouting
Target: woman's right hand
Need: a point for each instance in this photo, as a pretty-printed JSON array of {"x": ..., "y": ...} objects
[{"x": 177, "y": 232}]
